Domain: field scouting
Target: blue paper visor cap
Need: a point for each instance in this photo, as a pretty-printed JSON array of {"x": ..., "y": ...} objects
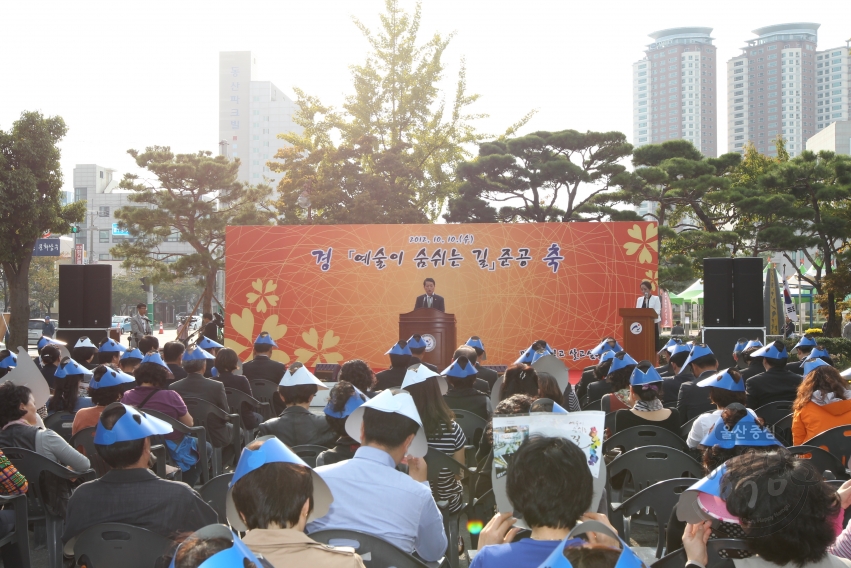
[{"x": 133, "y": 425}]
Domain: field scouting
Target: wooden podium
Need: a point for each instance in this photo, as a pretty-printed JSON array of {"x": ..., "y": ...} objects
[
  {"x": 439, "y": 326},
  {"x": 639, "y": 333}
]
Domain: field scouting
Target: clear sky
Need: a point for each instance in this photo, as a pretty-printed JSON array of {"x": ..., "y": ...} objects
[{"x": 133, "y": 74}]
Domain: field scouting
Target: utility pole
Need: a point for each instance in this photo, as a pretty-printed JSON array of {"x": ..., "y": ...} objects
[{"x": 149, "y": 288}]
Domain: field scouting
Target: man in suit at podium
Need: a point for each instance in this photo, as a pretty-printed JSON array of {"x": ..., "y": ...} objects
[{"x": 430, "y": 299}]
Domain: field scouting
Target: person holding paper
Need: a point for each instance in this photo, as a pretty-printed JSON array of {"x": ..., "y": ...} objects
[{"x": 550, "y": 483}]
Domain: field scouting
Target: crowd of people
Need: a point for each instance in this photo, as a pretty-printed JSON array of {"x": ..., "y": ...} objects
[{"x": 378, "y": 429}]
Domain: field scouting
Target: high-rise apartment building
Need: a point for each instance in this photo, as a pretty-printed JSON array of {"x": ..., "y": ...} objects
[
  {"x": 674, "y": 90},
  {"x": 251, "y": 115},
  {"x": 833, "y": 85},
  {"x": 771, "y": 89}
]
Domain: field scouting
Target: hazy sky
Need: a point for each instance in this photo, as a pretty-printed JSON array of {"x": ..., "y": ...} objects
[{"x": 132, "y": 74}]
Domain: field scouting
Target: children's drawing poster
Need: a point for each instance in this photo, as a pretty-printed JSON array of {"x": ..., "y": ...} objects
[{"x": 585, "y": 429}]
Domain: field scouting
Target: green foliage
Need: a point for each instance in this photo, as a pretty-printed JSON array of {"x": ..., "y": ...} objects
[
  {"x": 539, "y": 177},
  {"x": 44, "y": 283},
  {"x": 399, "y": 141},
  {"x": 30, "y": 183},
  {"x": 196, "y": 196},
  {"x": 811, "y": 212},
  {"x": 127, "y": 292}
]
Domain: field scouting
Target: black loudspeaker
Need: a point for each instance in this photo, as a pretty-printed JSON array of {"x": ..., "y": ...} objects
[
  {"x": 718, "y": 292},
  {"x": 71, "y": 285},
  {"x": 97, "y": 296},
  {"x": 747, "y": 292},
  {"x": 722, "y": 341},
  {"x": 85, "y": 296}
]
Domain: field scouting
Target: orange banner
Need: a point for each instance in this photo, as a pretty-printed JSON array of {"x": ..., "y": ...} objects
[{"x": 330, "y": 293}]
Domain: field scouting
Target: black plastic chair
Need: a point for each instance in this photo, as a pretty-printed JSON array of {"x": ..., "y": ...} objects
[
  {"x": 685, "y": 429},
  {"x": 662, "y": 497},
  {"x": 33, "y": 466},
  {"x": 84, "y": 442},
  {"x": 639, "y": 436},
  {"x": 677, "y": 559},
  {"x": 773, "y": 412},
  {"x": 118, "y": 544},
  {"x": 375, "y": 552},
  {"x": 308, "y": 453},
  {"x": 497, "y": 386},
  {"x": 783, "y": 430},
  {"x": 265, "y": 391},
  {"x": 197, "y": 432},
  {"x": 610, "y": 423},
  {"x": 437, "y": 461},
  {"x": 821, "y": 459},
  {"x": 472, "y": 424},
  {"x": 214, "y": 492},
  {"x": 60, "y": 422},
  {"x": 595, "y": 405},
  {"x": 837, "y": 441},
  {"x": 648, "y": 465},
  {"x": 202, "y": 412},
  {"x": 236, "y": 399},
  {"x": 20, "y": 536}
]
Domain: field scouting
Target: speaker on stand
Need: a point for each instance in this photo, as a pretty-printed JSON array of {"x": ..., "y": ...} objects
[
  {"x": 747, "y": 292},
  {"x": 85, "y": 302},
  {"x": 718, "y": 292}
]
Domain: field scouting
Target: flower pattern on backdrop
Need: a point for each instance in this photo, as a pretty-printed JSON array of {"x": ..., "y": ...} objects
[
  {"x": 262, "y": 295},
  {"x": 644, "y": 244},
  {"x": 244, "y": 326},
  {"x": 318, "y": 350},
  {"x": 653, "y": 278}
]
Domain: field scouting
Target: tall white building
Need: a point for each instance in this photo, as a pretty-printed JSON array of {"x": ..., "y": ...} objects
[
  {"x": 674, "y": 90},
  {"x": 771, "y": 89},
  {"x": 833, "y": 85},
  {"x": 251, "y": 115}
]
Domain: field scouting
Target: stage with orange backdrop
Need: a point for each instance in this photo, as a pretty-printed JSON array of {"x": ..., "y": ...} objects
[{"x": 331, "y": 293}]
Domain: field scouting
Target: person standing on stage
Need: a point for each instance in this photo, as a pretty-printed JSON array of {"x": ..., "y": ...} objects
[
  {"x": 648, "y": 300},
  {"x": 430, "y": 299},
  {"x": 140, "y": 326}
]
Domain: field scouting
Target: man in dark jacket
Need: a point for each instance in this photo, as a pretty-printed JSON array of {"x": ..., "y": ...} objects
[
  {"x": 488, "y": 375},
  {"x": 693, "y": 400},
  {"x": 802, "y": 349},
  {"x": 776, "y": 383},
  {"x": 130, "y": 493},
  {"x": 196, "y": 385},
  {"x": 463, "y": 395},
  {"x": 682, "y": 374},
  {"x": 297, "y": 426},
  {"x": 417, "y": 345},
  {"x": 173, "y": 357},
  {"x": 400, "y": 360},
  {"x": 753, "y": 365},
  {"x": 262, "y": 366}
]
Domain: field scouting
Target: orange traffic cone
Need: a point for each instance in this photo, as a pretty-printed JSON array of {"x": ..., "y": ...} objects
[{"x": 161, "y": 328}]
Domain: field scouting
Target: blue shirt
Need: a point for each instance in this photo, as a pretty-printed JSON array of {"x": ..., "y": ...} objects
[
  {"x": 526, "y": 553},
  {"x": 371, "y": 496}
]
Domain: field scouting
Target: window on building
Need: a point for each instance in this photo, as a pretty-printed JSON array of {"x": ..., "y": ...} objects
[
  {"x": 103, "y": 211},
  {"x": 103, "y": 236},
  {"x": 103, "y": 256},
  {"x": 173, "y": 238},
  {"x": 80, "y": 193}
]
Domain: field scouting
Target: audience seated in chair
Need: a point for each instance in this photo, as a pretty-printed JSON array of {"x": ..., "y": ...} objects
[
  {"x": 795, "y": 526},
  {"x": 646, "y": 406},
  {"x": 725, "y": 388},
  {"x": 511, "y": 406},
  {"x": 216, "y": 546},
  {"x": 130, "y": 493},
  {"x": 693, "y": 400},
  {"x": 274, "y": 493},
  {"x": 343, "y": 399},
  {"x": 226, "y": 363},
  {"x": 823, "y": 402},
  {"x": 66, "y": 388},
  {"x": 358, "y": 373},
  {"x": 173, "y": 356},
  {"x": 196, "y": 385},
  {"x": 262, "y": 366},
  {"x": 462, "y": 393},
  {"x": 107, "y": 386},
  {"x": 370, "y": 494},
  {"x": 297, "y": 426},
  {"x": 12, "y": 482},
  {"x": 776, "y": 383},
  {"x": 22, "y": 428},
  {"x": 519, "y": 379},
  {"x": 550, "y": 484}
]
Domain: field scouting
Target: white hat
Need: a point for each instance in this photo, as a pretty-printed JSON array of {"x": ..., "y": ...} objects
[
  {"x": 399, "y": 403},
  {"x": 419, "y": 373},
  {"x": 84, "y": 342},
  {"x": 300, "y": 376}
]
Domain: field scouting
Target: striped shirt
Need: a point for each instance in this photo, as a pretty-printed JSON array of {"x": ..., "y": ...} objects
[
  {"x": 448, "y": 488},
  {"x": 12, "y": 482}
]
